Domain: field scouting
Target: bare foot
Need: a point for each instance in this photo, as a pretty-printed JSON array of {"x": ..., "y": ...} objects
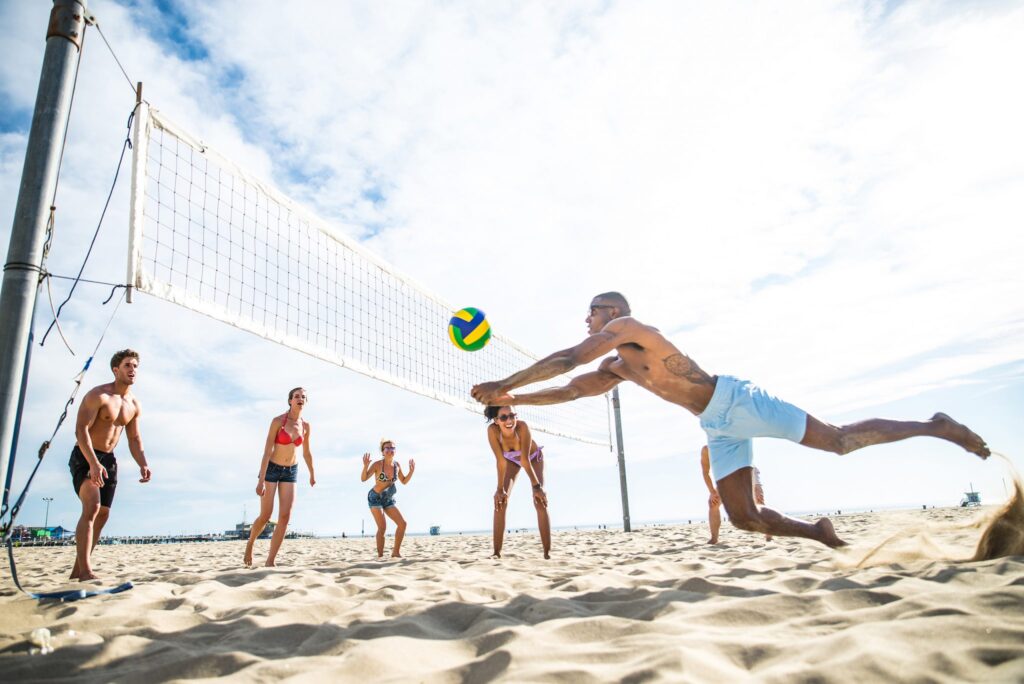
[
  {"x": 395, "y": 554},
  {"x": 767, "y": 537},
  {"x": 86, "y": 576},
  {"x": 547, "y": 556},
  {"x": 828, "y": 534},
  {"x": 959, "y": 434},
  {"x": 713, "y": 540},
  {"x": 270, "y": 564},
  {"x": 496, "y": 554}
]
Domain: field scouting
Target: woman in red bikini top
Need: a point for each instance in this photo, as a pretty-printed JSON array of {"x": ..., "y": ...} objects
[
  {"x": 515, "y": 450},
  {"x": 279, "y": 472}
]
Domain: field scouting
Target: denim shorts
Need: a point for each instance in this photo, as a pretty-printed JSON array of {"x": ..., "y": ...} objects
[
  {"x": 739, "y": 411},
  {"x": 385, "y": 499},
  {"x": 280, "y": 473}
]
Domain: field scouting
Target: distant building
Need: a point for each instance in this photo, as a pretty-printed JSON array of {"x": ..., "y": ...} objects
[
  {"x": 243, "y": 530},
  {"x": 23, "y": 533}
]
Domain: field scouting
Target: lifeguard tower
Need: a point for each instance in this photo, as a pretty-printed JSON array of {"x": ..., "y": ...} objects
[{"x": 971, "y": 498}]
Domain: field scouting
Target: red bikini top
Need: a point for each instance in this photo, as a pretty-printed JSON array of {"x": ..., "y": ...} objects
[{"x": 284, "y": 438}]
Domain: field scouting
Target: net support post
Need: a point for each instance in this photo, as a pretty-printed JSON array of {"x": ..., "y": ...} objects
[
  {"x": 626, "y": 527},
  {"x": 23, "y": 267},
  {"x": 140, "y": 153}
]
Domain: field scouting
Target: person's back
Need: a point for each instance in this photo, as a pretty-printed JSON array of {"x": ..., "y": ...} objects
[{"x": 650, "y": 360}]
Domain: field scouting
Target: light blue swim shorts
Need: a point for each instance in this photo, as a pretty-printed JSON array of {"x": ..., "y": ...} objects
[{"x": 738, "y": 412}]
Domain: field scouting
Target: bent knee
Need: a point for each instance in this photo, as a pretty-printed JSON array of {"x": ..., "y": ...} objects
[
  {"x": 843, "y": 443},
  {"x": 744, "y": 517},
  {"x": 744, "y": 522}
]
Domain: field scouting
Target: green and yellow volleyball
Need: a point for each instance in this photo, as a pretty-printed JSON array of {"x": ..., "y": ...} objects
[{"x": 469, "y": 329}]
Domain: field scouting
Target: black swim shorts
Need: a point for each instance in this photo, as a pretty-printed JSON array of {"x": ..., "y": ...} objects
[{"x": 80, "y": 473}]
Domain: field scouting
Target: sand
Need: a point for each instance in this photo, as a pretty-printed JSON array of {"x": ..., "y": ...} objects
[{"x": 656, "y": 604}]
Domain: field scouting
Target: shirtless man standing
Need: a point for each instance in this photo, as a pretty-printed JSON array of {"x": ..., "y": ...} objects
[
  {"x": 731, "y": 411},
  {"x": 105, "y": 411}
]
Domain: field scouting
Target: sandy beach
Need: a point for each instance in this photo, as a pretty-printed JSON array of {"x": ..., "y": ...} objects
[{"x": 655, "y": 604}]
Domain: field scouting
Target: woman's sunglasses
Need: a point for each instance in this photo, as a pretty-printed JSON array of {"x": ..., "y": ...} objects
[{"x": 506, "y": 416}]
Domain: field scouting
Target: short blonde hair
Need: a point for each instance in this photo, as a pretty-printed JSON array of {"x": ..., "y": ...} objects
[{"x": 384, "y": 441}]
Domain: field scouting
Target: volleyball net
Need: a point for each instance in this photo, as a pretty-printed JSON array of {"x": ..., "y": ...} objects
[{"x": 206, "y": 235}]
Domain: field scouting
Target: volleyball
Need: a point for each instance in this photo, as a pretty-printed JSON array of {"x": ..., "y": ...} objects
[{"x": 469, "y": 329}]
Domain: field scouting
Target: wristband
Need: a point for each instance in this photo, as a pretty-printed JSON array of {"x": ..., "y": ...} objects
[{"x": 537, "y": 486}]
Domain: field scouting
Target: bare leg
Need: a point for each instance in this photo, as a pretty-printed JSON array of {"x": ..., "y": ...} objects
[
  {"x": 266, "y": 510},
  {"x": 737, "y": 493},
  {"x": 499, "y": 530},
  {"x": 89, "y": 494},
  {"x": 378, "y": 517},
  {"x": 511, "y": 471},
  {"x": 843, "y": 440},
  {"x": 97, "y": 530},
  {"x": 396, "y": 515},
  {"x": 759, "y": 500},
  {"x": 543, "y": 522},
  {"x": 714, "y": 520},
  {"x": 286, "y": 496}
]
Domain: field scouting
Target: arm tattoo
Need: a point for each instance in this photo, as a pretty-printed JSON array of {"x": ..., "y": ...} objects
[{"x": 680, "y": 365}]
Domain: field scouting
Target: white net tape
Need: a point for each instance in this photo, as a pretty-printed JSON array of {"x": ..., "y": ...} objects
[{"x": 209, "y": 237}]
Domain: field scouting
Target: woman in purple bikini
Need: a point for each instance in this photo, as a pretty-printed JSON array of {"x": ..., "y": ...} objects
[{"x": 509, "y": 439}]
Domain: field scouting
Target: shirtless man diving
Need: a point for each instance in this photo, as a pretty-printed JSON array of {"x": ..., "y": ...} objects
[
  {"x": 106, "y": 411},
  {"x": 731, "y": 411}
]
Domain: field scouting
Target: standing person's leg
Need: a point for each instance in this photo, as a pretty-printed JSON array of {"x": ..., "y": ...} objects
[
  {"x": 266, "y": 510},
  {"x": 511, "y": 470},
  {"x": 378, "y": 517},
  {"x": 393, "y": 513},
  {"x": 543, "y": 522},
  {"x": 844, "y": 439},
  {"x": 737, "y": 493},
  {"x": 714, "y": 518},
  {"x": 97, "y": 525},
  {"x": 89, "y": 495},
  {"x": 286, "y": 496}
]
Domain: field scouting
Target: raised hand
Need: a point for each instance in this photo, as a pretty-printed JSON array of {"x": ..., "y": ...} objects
[
  {"x": 412, "y": 466},
  {"x": 366, "y": 460}
]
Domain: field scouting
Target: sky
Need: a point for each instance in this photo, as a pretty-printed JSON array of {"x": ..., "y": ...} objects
[{"x": 826, "y": 198}]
